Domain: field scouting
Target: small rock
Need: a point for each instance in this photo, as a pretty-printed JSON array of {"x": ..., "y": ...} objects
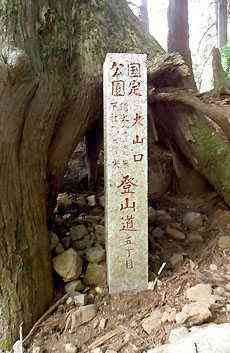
[
  {"x": 176, "y": 259},
  {"x": 194, "y": 314},
  {"x": 224, "y": 242},
  {"x": 91, "y": 200},
  {"x": 95, "y": 254},
  {"x": 36, "y": 349},
  {"x": 130, "y": 348},
  {"x": 152, "y": 322},
  {"x": 68, "y": 265},
  {"x": 102, "y": 201},
  {"x": 54, "y": 241},
  {"x": 84, "y": 243},
  {"x": 175, "y": 233},
  {"x": 193, "y": 220},
  {"x": 213, "y": 267},
  {"x": 200, "y": 293},
  {"x": 152, "y": 215},
  {"x": 66, "y": 241},
  {"x": 78, "y": 232},
  {"x": 221, "y": 218},
  {"x": 74, "y": 286},
  {"x": 96, "y": 350},
  {"x": 96, "y": 274},
  {"x": 59, "y": 249},
  {"x": 100, "y": 234},
  {"x": 81, "y": 201},
  {"x": 103, "y": 323},
  {"x": 163, "y": 217},
  {"x": 87, "y": 313},
  {"x": 157, "y": 233},
  {"x": 79, "y": 298},
  {"x": 70, "y": 348},
  {"x": 195, "y": 238},
  {"x": 219, "y": 291}
]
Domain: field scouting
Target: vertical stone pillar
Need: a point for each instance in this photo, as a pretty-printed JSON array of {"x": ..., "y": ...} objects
[{"x": 126, "y": 169}]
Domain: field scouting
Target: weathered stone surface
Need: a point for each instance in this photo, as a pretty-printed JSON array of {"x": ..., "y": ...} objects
[
  {"x": 208, "y": 339},
  {"x": 59, "y": 249},
  {"x": 87, "y": 313},
  {"x": 95, "y": 274},
  {"x": 199, "y": 293},
  {"x": 74, "y": 286},
  {"x": 224, "y": 242},
  {"x": 68, "y": 265},
  {"x": 100, "y": 234},
  {"x": 194, "y": 314},
  {"x": 174, "y": 233},
  {"x": 125, "y": 147},
  {"x": 177, "y": 333},
  {"x": 95, "y": 254},
  {"x": 163, "y": 217},
  {"x": 195, "y": 238},
  {"x": 78, "y": 232},
  {"x": 152, "y": 322},
  {"x": 193, "y": 220}
]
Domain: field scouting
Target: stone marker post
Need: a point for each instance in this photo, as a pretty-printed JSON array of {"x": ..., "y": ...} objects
[{"x": 126, "y": 169}]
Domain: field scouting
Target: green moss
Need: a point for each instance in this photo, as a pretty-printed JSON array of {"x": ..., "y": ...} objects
[
  {"x": 5, "y": 344},
  {"x": 214, "y": 156}
]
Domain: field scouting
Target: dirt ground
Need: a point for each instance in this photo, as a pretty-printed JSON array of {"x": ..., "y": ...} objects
[{"x": 117, "y": 325}]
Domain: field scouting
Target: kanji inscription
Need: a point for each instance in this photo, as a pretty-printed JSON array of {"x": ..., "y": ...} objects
[{"x": 126, "y": 169}]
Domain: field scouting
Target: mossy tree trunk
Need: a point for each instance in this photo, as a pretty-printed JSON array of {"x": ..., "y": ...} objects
[{"x": 50, "y": 93}]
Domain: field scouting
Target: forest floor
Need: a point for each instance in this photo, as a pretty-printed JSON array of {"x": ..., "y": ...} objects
[{"x": 118, "y": 325}]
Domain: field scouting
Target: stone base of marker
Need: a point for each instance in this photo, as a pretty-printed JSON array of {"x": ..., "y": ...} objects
[{"x": 125, "y": 147}]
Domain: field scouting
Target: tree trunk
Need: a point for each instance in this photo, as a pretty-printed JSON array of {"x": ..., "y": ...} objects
[
  {"x": 144, "y": 17},
  {"x": 222, "y": 22},
  {"x": 48, "y": 99},
  {"x": 178, "y": 33}
]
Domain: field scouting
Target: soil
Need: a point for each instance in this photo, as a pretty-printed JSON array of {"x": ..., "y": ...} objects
[{"x": 117, "y": 325}]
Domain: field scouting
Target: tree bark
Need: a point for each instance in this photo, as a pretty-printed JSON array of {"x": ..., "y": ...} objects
[
  {"x": 178, "y": 34},
  {"x": 222, "y": 22},
  {"x": 49, "y": 96}
]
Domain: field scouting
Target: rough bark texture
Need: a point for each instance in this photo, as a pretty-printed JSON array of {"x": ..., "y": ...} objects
[
  {"x": 48, "y": 99},
  {"x": 178, "y": 34},
  {"x": 222, "y": 22}
]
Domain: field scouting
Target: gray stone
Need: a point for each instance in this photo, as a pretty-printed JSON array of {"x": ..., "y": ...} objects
[
  {"x": 78, "y": 232},
  {"x": 193, "y": 220},
  {"x": 126, "y": 163},
  {"x": 54, "y": 240},
  {"x": 163, "y": 217},
  {"x": 84, "y": 243},
  {"x": 100, "y": 234},
  {"x": 152, "y": 322},
  {"x": 224, "y": 242},
  {"x": 152, "y": 215},
  {"x": 195, "y": 238},
  {"x": 87, "y": 313},
  {"x": 169, "y": 315},
  {"x": 74, "y": 286},
  {"x": 95, "y": 254},
  {"x": 68, "y": 265},
  {"x": 175, "y": 233},
  {"x": 205, "y": 339},
  {"x": 157, "y": 233},
  {"x": 59, "y": 249},
  {"x": 95, "y": 274},
  {"x": 67, "y": 241},
  {"x": 194, "y": 314}
]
